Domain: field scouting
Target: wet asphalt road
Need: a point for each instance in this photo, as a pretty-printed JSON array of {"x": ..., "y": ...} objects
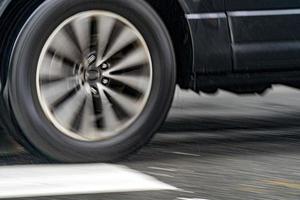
[{"x": 217, "y": 148}]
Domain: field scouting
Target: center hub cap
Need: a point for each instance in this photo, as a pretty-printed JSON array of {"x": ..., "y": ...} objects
[{"x": 92, "y": 75}]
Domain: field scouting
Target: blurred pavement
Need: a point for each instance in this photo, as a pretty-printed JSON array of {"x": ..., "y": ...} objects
[{"x": 217, "y": 148}]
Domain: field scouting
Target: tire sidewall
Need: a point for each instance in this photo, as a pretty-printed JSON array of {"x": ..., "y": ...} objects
[{"x": 22, "y": 85}]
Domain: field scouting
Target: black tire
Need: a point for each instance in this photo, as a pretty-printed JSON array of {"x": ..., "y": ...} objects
[{"x": 38, "y": 133}]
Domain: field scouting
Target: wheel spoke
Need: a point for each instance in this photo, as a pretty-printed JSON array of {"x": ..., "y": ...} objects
[
  {"x": 120, "y": 112},
  {"x": 55, "y": 68},
  {"x": 135, "y": 58},
  {"x": 52, "y": 92},
  {"x": 94, "y": 35},
  {"x": 136, "y": 84},
  {"x": 125, "y": 89},
  {"x": 79, "y": 31},
  {"x": 69, "y": 110},
  {"x": 98, "y": 108},
  {"x": 68, "y": 62},
  {"x": 88, "y": 126},
  {"x": 77, "y": 120},
  {"x": 105, "y": 28},
  {"x": 122, "y": 101},
  {"x": 111, "y": 120},
  {"x": 63, "y": 46},
  {"x": 63, "y": 99},
  {"x": 52, "y": 80},
  {"x": 125, "y": 38}
]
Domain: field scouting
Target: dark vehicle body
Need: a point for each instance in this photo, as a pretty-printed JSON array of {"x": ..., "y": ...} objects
[{"x": 242, "y": 46}]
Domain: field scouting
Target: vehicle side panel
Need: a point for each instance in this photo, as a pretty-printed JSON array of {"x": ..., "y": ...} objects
[
  {"x": 233, "y": 5},
  {"x": 212, "y": 52},
  {"x": 210, "y": 35},
  {"x": 265, "y": 34}
]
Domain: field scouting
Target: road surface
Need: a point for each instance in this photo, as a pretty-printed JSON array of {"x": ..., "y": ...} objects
[{"x": 211, "y": 147}]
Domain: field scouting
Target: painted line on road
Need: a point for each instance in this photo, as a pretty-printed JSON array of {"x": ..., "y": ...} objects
[
  {"x": 186, "y": 154},
  {"x": 158, "y": 174},
  {"x": 180, "y": 198},
  {"x": 60, "y": 180},
  {"x": 163, "y": 169}
]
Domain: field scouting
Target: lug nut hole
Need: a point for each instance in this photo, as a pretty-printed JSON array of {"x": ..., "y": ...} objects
[
  {"x": 104, "y": 66},
  {"x": 105, "y": 81}
]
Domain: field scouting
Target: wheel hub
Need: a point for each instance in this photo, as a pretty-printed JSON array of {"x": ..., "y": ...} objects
[{"x": 92, "y": 75}]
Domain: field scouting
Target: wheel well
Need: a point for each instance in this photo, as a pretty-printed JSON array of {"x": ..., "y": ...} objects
[
  {"x": 172, "y": 14},
  {"x": 19, "y": 11}
]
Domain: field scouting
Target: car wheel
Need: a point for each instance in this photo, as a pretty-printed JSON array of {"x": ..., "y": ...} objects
[{"x": 91, "y": 80}]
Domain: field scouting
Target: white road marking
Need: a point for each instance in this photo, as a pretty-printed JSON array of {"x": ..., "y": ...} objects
[
  {"x": 187, "y": 191},
  {"x": 163, "y": 169},
  {"x": 56, "y": 180},
  {"x": 158, "y": 174},
  {"x": 180, "y": 198},
  {"x": 186, "y": 154}
]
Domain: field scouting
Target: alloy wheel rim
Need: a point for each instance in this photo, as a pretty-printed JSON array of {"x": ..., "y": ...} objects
[{"x": 94, "y": 76}]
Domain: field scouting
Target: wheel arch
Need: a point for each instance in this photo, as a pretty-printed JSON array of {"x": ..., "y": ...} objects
[{"x": 181, "y": 35}]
